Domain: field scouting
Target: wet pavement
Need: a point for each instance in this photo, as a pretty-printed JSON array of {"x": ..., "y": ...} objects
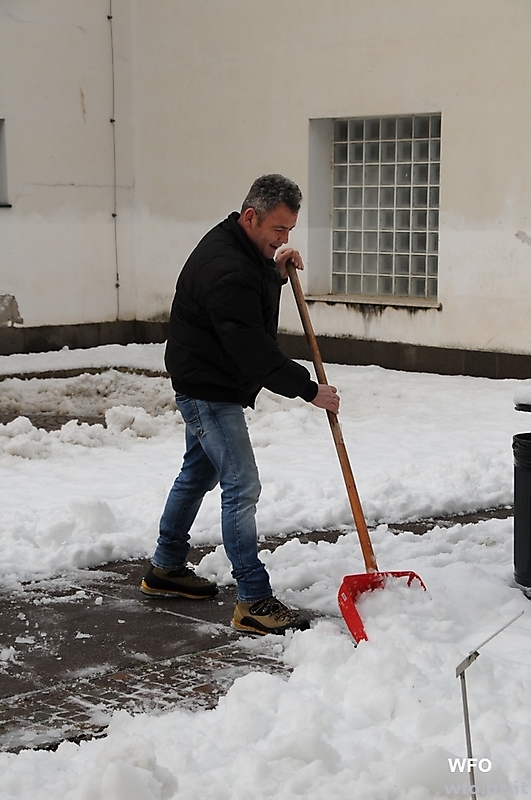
[{"x": 88, "y": 643}]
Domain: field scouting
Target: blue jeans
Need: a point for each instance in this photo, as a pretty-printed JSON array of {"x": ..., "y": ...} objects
[{"x": 218, "y": 450}]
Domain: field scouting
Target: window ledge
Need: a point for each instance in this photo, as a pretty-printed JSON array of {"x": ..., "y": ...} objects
[{"x": 369, "y": 300}]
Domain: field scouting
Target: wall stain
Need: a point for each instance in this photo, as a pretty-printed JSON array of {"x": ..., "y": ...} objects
[
  {"x": 523, "y": 237},
  {"x": 9, "y": 313},
  {"x": 374, "y": 310}
]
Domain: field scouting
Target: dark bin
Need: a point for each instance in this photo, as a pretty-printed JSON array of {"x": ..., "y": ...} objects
[{"x": 522, "y": 508}]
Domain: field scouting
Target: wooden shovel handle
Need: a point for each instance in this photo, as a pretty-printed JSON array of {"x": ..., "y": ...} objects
[{"x": 346, "y": 469}]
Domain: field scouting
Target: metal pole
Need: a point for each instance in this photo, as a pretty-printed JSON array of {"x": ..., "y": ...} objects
[
  {"x": 115, "y": 183},
  {"x": 460, "y": 673},
  {"x": 468, "y": 737}
]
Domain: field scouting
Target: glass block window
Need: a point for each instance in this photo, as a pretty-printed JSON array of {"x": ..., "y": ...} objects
[{"x": 386, "y": 206}]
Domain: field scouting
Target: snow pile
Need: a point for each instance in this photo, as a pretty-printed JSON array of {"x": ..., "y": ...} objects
[
  {"x": 123, "y": 423},
  {"x": 86, "y": 394},
  {"x": 131, "y": 356},
  {"x": 522, "y": 393}
]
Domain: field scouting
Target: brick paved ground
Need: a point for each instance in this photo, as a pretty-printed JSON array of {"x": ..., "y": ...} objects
[
  {"x": 80, "y": 709},
  {"x": 89, "y": 643}
]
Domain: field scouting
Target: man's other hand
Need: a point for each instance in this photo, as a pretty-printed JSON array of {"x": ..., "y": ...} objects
[{"x": 327, "y": 397}]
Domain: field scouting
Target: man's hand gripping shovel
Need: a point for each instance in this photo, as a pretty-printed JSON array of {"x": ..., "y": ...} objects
[{"x": 352, "y": 586}]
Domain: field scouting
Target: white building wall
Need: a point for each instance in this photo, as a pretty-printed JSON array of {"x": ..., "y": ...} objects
[
  {"x": 57, "y": 244},
  {"x": 211, "y": 94},
  {"x": 239, "y": 83}
]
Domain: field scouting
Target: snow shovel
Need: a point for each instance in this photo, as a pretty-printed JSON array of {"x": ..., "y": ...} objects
[{"x": 353, "y": 585}]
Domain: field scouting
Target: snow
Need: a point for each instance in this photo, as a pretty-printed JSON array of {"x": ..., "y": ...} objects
[
  {"x": 522, "y": 394},
  {"x": 134, "y": 356},
  {"x": 376, "y": 721}
]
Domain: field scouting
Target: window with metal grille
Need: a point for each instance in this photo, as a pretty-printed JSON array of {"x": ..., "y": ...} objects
[{"x": 386, "y": 206}]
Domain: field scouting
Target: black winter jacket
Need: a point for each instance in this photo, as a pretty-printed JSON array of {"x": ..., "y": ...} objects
[{"x": 222, "y": 344}]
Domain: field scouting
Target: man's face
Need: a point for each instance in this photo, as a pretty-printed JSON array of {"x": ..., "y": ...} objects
[{"x": 271, "y": 231}]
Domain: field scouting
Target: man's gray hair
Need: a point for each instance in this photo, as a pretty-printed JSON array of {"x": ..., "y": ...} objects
[{"x": 270, "y": 191}]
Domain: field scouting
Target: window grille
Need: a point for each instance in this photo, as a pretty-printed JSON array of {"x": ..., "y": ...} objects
[{"x": 386, "y": 206}]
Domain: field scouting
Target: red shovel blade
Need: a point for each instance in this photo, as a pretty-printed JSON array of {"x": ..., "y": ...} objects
[{"x": 354, "y": 585}]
